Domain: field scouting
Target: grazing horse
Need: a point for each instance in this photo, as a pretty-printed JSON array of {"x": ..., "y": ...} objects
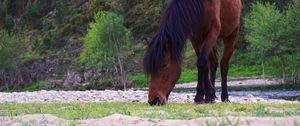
[{"x": 203, "y": 22}]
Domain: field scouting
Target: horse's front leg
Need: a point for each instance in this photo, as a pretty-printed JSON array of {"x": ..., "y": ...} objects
[
  {"x": 203, "y": 49},
  {"x": 197, "y": 43},
  {"x": 229, "y": 47}
]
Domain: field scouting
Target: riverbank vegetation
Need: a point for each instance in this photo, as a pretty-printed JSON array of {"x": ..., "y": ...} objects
[{"x": 52, "y": 43}]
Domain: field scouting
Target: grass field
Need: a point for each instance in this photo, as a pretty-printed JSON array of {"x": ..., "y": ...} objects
[
  {"x": 75, "y": 111},
  {"x": 190, "y": 75}
]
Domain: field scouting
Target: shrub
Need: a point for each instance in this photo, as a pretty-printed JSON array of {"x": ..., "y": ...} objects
[
  {"x": 10, "y": 51},
  {"x": 31, "y": 12},
  {"x": 272, "y": 34},
  {"x": 292, "y": 36},
  {"x": 106, "y": 44},
  {"x": 264, "y": 25}
]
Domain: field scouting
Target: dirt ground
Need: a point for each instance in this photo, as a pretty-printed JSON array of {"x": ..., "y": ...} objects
[{"x": 118, "y": 120}]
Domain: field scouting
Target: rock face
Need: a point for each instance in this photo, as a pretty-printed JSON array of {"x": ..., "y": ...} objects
[
  {"x": 54, "y": 68},
  {"x": 75, "y": 80},
  {"x": 54, "y": 84},
  {"x": 54, "y": 65},
  {"x": 33, "y": 71}
]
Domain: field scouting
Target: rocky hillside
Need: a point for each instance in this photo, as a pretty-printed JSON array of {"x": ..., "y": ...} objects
[
  {"x": 49, "y": 35},
  {"x": 52, "y": 31}
]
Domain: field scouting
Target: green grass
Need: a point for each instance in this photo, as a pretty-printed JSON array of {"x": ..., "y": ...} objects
[
  {"x": 76, "y": 111},
  {"x": 188, "y": 76},
  {"x": 33, "y": 87},
  {"x": 138, "y": 79},
  {"x": 266, "y": 88},
  {"x": 191, "y": 75}
]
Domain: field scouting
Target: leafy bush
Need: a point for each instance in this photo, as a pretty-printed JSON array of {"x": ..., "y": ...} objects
[
  {"x": 2, "y": 10},
  {"x": 10, "y": 51},
  {"x": 272, "y": 35},
  {"x": 265, "y": 29},
  {"x": 293, "y": 24},
  {"x": 32, "y": 11},
  {"x": 293, "y": 37},
  {"x": 106, "y": 44},
  {"x": 265, "y": 26},
  {"x": 106, "y": 37},
  {"x": 8, "y": 23}
]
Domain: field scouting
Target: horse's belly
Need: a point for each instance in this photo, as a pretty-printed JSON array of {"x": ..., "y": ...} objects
[{"x": 230, "y": 16}]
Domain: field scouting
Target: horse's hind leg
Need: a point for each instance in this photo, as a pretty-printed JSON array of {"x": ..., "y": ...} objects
[{"x": 229, "y": 47}]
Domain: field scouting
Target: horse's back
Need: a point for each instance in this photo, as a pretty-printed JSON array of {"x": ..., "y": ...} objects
[{"x": 230, "y": 16}]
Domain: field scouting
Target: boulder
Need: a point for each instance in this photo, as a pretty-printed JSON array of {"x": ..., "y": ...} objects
[
  {"x": 54, "y": 84},
  {"x": 73, "y": 80}
]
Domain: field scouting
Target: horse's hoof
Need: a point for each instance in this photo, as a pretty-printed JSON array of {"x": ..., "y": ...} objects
[
  {"x": 213, "y": 101},
  {"x": 198, "y": 103},
  {"x": 210, "y": 102},
  {"x": 216, "y": 97},
  {"x": 226, "y": 100},
  {"x": 209, "y": 98}
]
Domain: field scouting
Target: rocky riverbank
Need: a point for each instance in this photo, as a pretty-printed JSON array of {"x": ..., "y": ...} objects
[{"x": 139, "y": 96}]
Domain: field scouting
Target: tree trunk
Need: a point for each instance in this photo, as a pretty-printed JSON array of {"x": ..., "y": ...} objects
[
  {"x": 294, "y": 67},
  {"x": 283, "y": 64},
  {"x": 122, "y": 72},
  {"x": 2, "y": 73},
  {"x": 263, "y": 70}
]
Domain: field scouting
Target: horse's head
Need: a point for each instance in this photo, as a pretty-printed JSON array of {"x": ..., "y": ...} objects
[{"x": 162, "y": 78}]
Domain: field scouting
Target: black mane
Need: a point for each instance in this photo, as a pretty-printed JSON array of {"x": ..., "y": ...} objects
[{"x": 181, "y": 18}]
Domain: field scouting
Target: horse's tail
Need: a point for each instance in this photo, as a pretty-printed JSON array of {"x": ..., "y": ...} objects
[{"x": 180, "y": 20}]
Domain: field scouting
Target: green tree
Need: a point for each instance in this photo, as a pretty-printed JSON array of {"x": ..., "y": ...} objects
[
  {"x": 265, "y": 33},
  {"x": 293, "y": 37},
  {"x": 293, "y": 23},
  {"x": 106, "y": 44},
  {"x": 10, "y": 52}
]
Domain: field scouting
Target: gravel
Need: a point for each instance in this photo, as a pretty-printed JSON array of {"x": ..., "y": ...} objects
[{"x": 138, "y": 96}]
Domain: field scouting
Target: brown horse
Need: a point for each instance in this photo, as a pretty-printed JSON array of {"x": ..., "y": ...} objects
[{"x": 204, "y": 22}]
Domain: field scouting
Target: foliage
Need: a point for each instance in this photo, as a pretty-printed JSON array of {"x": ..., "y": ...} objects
[
  {"x": 265, "y": 30},
  {"x": 293, "y": 19},
  {"x": 10, "y": 51},
  {"x": 56, "y": 27},
  {"x": 106, "y": 43},
  {"x": 293, "y": 37},
  {"x": 8, "y": 23},
  {"x": 144, "y": 16},
  {"x": 271, "y": 34},
  {"x": 105, "y": 37},
  {"x": 33, "y": 87},
  {"x": 138, "y": 79},
  {"x": 32, "y": 11},
  {"x": 2, "y": 9}
]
